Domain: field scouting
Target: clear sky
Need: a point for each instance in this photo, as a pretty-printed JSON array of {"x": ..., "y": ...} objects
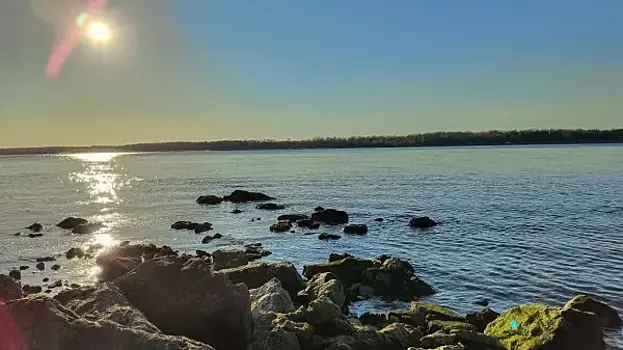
[{"x": 223, "y": 69}]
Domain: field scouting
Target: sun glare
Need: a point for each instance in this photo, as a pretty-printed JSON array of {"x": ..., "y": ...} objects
[{"x": 99, "y": 31}]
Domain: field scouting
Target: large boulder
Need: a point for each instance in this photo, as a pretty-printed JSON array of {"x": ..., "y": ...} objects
[
  {"x": 271, "y": 297},
  {"x": 356, "y": 229},
  {"x": 229, "y": 258},
  {"x": 281, "y": 226},
  {"x": 608, "y": 316},
  {"x": 482, "y": 318},
  {"x": 184, "y": 297},
  {"x": 116, "y": 261},
  {"x": 9, "y": 288},
  {"x": 526, "y": 327},
  {"x": 104, "y": 302},
  {"x": 209, "y": 199},
  {"x": 331, "y": 216},
  {"x": 44, "y": 324},
  {"x": 324, "y": 284},
  {"x": 71, "y": 222},
  {"x": 387, "y": 276},
  {"x": 241, "y": 196},
  {"x": 257, "y": 274},
  {"x": 326, "y": 317}
]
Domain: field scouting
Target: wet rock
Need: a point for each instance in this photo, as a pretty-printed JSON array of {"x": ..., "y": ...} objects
[
  {"x": 76, "y": 253},
  {"x": 389, "y": 277},
  {"x": 319, "y": 208},
  {"x": 227, "y": 258},
  {"x": 74, "y": 285},
  {"x": 281, "y": 226},
  {"x": 241, "y": 196},
  {"x": 56, "y": 284},
  {"x": 34, "y": 235},
  {"x": 203, "y": 305},
  {"x": 28, "y": 289},
  {"x": 45, "y": 279},
  {"x": 124, "y": 243},
  {"x": 46, "y": 259},
  {"x": 324, "y": 284},
  {"x": 236, "y": 211},
  {"x": 328, "y": 236},
  {"x": 204, "y": 227},
  {"x": 482, "y": 318},
  {"x": 202, "y": 253},
  {"x": 339, "y": 256},
  {"x": 271, "y": 297},
  {"x": 270, "y": 206},
  {"x": 607, "y": 315},
  {"x": 184, "y": 225},
  {"x": 400, "y": 336},
  {"x": 357, "y": 229},
  {"x": 526, "y": 327},
  {"x": 209, "y": 200},
  {"x": 55, "y": 267},
  {"x": 331, "y": 216},
  {"x": 257, "y": 274},
  {"x": 40, "y": 266},
  {"x": 71, "y": 222},
  {"x": 43, "y": 323},
  {"x": 438, "y": 339},
  {"x": 308, "y": 223},
  {"x": 292, "y": 217},
  {"x": 36, "y": 227},
  {"x": 482, "y": 302},
  {"x": 373, "y": 318},
  {"x": 88, "y": 228},
  {"x": 378, "y": 219},
  {"x": 17, "y": 234},
  {"x": 24, "y": 267},
  {"x": 432, "y": 312},
  {"x": 116, "y": 261},
  {"x": 422, "y": 222},
  {"x": 255, "y": 251},
  {"x": 208, "y": 239},
  {"x": 9, "y": 288},
  {"x": 104, "y": 302}
]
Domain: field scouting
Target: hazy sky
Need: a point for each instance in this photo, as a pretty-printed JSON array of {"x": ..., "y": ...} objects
[{"x": 221, "y": 69}]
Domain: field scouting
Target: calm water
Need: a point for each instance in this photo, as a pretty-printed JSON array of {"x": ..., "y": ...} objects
[{"x": 519, "y": 224}]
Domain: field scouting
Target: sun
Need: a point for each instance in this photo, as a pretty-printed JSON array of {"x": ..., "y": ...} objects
[{"x": 99, "y": 31}]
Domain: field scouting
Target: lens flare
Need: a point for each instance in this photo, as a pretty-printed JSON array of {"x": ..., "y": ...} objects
[{"x": 99, "y": 31}]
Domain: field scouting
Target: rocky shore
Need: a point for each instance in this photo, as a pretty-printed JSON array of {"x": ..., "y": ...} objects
[{"x": 154, "y": 297}]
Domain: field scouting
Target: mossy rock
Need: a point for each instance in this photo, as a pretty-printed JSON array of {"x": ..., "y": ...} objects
[
  {"x": 435, "y": 312},
  {"x": 447, "y": 326}
]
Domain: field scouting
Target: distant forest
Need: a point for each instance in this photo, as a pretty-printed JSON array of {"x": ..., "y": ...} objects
[{"x": 460, "y": 138}]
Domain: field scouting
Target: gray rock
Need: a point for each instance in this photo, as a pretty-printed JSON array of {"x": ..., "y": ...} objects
[
  {"x": 257, "y": 274},
  {"x": 607, "y": 315},
  {"x": 271, "y": 297},
  {"x": 9, "y": 288},
  {"x": 71, "y": 222},
  {"x": 356, "y": 229},
  {"x": 327, "y": 285},
  {"x": 422, "y": 222},
  {"x": 226, "y": 258},
  {"x": 209, "y": 200}
]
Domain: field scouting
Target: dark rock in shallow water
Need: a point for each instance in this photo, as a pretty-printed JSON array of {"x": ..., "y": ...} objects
[
  {"x": 24, "y": 267},
  {"x": 292, "y": 217},
  {"x": 308, "y": 223},
  {"x": 208, "y": 239},
  {"x": 482, "y": 302},
  {"x": 389, "y": 277},
  {"x": 55, "y": 267},
  {"x": 328, "y": 236},
  {"x": 119, "y": 260},
  {"x": 229, "y": 258},
  {"x": 482, "y": 318},
  {"x": 46, "y": 259},
  {"x": 71, "y": 222},
  {"x": 9, "y": 288},
  {"x": 331, "y": 216},
  {"x": 45, "y": 279},
  {"x": 28, "y": 289},
  {"x": 209, "y": 200},
  {"x": 203, "y": 305},
  {"x": 15, "y": 274},
  {"x": 206, "y": 226},
  {"x": 36, "y": 227},
  {"x": 184, "y": 225},
  {"x": 319, "y": 209},
  {"x": 608, "y": 317},
  {"x": 202, "y": 253},
  {"x": 34, "y": 235},
  {"x": 255, "y": 251},
  {"x": 256, "y": 274},
  {"x": 281, "y": 226},
  {"x": 378, "y": 219},
  {"x": 76, "y": 253},
  {"x": 270, "y": 206},
  {"x": 241, "y": 196},
  {"x": 422, "y": 222},
  {"x": 87, "y": 228},
  {"x": 40, "y": 266},
  {"x": 357, "y": 229},
  {"x": 236, "y": 211}
]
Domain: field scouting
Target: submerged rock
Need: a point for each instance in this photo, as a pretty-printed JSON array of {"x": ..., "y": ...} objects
[
  {"x": 15, "y": 274},
  {"x": 378, "y": 219},
  {"x": 357, "y": 229},
  {"x": 184, "y": 225},
  {"x": 281, "y": 226},
  {"x": 35, "y": 235},
  {"x": 308, "y": 223},
  {"x": 9, "y": 288},
  {"x": 482, "y": 318},
  {"x": 331, "y": 216},
  {"x": 270, "y": 206},
  {"x": 87, "y": 228},
  {"x": 209, "y": 200},
  {"x": 608, "y": 316},
  {"x": 328, "y": 237},
  {"x": 208, "y": 239},
  {"x": 422, "y": 222},
  {"x": 76, "y": 253},
  {"x": 292, "y": 217},
  {"x": 255, "y": 251},
  {"x": 71, "y": 222},
  {"x": 241, "y": 196},
  {"x": 185, "y": 297},
  {"x": 46, "y": 259},
  {"x": 236, "y": 211},
  {"x": 36, "y": 227},
  {"x": 204, "y": 227}
]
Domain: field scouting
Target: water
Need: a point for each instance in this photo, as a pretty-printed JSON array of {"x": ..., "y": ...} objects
[{"x": 518, "y": 224}]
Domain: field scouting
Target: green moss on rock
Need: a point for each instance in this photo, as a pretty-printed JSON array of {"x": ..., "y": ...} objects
[{"x": 536, "y": 325}]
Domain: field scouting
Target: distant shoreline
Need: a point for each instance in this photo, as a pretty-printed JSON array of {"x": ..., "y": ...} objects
[{"x": 435, "y": 139}]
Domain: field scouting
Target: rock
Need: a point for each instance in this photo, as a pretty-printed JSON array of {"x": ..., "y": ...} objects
[
  {"x": 87, "y": 228},
  {"x": 292, "y": 217},
  {"x": 389, "y": 277},
  {"x": 448, "y": 326},
  {"x": 55, "y": 267},
  {"x": 36, "y": 227},
  {"x": 24, "y": 267},
  {"x": 270, "y": 206},
  {"x": 40, "y": 266},
  {"x": 326, "y": 317},
  {"x": 328, "y": 236},
  {"x": 56, "y": 284},
  {"x": 116, "y": 261},
  {"x": 437, "y": 339},
  {"x": 43, "y": 323},
  {"x": 473, "y": 339},
  {"x": 208, "y": 239},
  {"x": 482, "y": 318},
  {"x": 378, "y": 219},
  {"x": 331, "y": 216},
  {"x": 46, "y": 259},
  {"x": 226, "y": 258},
  {"x": 608, "y": 316},
  {"x": 308, "y": 223},
  {"x": 319, "y": 208},
  {"x": 45, "y": 279},
  {"x": 200, "y": 228},
  {"x": 241, "y": 196},
  {"x": 104, "y": 302},
  {"x": 257, "y": 274},
  {"x": 71, "y": 222},
  {"x": 271, "y": 297},
  {"x": 482, "y": 302},
  {"x": 444, "y": 347},
  {"x": 255, "y": 251},
  {"x": 536, "y": 326},
  {"x": 34, "y": 235},
  {"x": 422, "y": 222},
  {"x": 9, "y": 289},
  {"x": 236, "y": 211},
  {"x": 209, "y": 200},
  {"x": 184, "y": 225},
  {"x": 281, "y": 226},
  {"x": 324, "y": 285},
  {"x": 432, "y": 312},
  {"x": 28, "y": 289},
  {"x": 202, "y": 253},
  {"x": 292, "y": 231},
  {"x": 76, "y": 253},
  {"x": 358, "y": 229},
  {"x": 17, "y": 234},
  {"x": 337, "y": 256},
  {"x": 373, "y": 318},
  {"x": 400, "y": 336},
  {"x": 203, "y": 305}
]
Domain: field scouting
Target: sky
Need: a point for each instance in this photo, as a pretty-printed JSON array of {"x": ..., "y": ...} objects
[{"x": 236, "y": 69}]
